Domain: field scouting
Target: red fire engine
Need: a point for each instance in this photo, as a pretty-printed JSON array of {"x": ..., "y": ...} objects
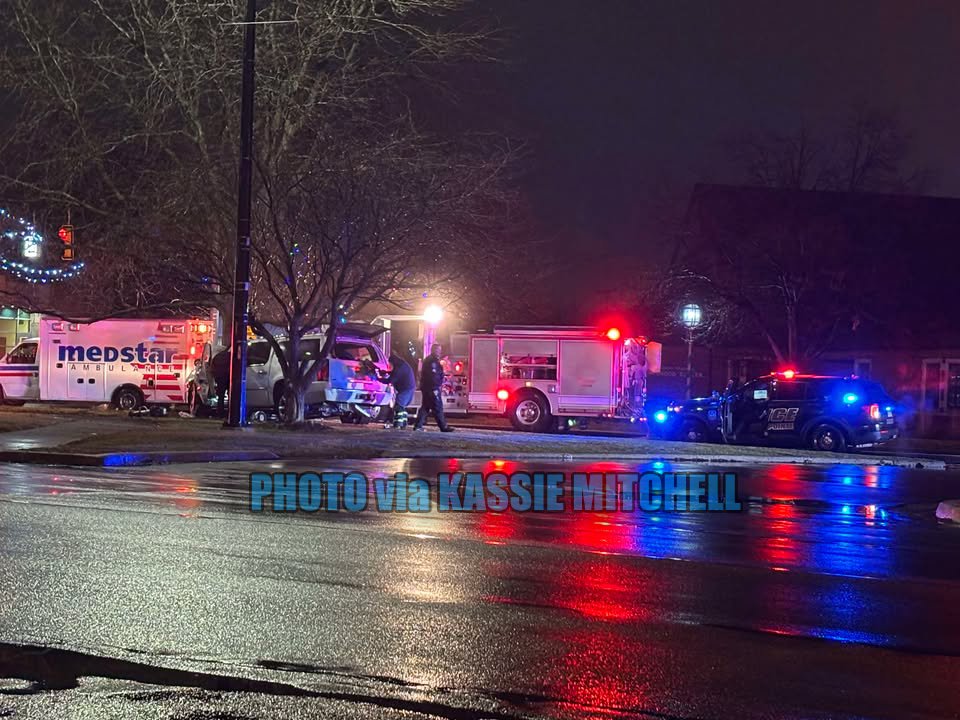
[{"x": 545, "y": 377}]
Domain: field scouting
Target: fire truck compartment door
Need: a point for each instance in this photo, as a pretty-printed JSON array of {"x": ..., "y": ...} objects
[
  {"x": 484, "y": 373},
  {"x": 586, "y": 376}
]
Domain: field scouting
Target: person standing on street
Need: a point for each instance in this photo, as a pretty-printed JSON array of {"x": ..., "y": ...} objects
[
  {"x": 220, "y": 369},
  {"x": 404, "y": 383},
  {"x": 431, "y": 382}
]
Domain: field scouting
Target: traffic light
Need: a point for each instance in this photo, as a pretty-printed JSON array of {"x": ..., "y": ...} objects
[{"x": 66, "y": 235}]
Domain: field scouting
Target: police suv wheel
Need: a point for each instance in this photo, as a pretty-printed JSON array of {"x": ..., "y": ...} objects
[
  {"x": 828, "y": 438},
  {"x": 692, "y": 431},
  {"x": 530, "y": 413}
]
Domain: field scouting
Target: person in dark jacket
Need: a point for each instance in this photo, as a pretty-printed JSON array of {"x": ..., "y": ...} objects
[
  {"x": 431, "y": 382},
  {"x": 404, "y": 383},
  {"x": 220, "y": 369}
]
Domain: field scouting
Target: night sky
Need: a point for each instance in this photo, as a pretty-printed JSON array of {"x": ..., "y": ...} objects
[{"x": 626, "y": 103}]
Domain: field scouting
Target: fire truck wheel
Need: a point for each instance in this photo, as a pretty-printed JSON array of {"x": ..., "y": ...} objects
[
  {"x": 127, "y": 397},
  {"x": 530, "y": 412}
]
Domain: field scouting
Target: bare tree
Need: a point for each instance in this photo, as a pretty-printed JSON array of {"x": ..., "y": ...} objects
[
  {"x": 774, "y": 263},
  {"x": 867, "y": 153},
  {"x": 369, "y": 222},
  {"x": 126, "y": 114}
]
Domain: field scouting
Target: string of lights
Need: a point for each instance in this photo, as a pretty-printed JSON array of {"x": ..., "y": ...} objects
[{"x": 25, "y": 236}]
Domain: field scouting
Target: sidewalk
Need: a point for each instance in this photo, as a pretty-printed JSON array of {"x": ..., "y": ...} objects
[{"x": 112, "y": 440}]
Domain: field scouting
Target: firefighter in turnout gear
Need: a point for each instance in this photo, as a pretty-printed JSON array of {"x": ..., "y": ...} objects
[
  {"x": 431, "y": 383},
  {"x": 404, "y": 383}
]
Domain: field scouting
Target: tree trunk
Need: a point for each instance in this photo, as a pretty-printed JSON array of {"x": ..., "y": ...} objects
[
  {"x": 792, "y": 335},
  {"x": 294, "y": 405}
]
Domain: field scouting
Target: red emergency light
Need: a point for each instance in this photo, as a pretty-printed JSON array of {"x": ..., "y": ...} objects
[
  {"x": 458, "y": 367},
  {"x": 502, "y": 394},
  {"x": 789, "y": 374},
  {"x": 613, "y": 333}
]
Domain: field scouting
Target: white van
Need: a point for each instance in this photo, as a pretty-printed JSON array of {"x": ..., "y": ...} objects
[{"x": 128, "y": 363}]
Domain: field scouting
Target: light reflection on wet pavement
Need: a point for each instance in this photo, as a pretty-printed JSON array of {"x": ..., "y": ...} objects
[{"x": 846, "y": 554}]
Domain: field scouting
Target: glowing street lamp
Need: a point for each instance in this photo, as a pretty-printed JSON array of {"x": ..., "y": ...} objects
[
  {"x": 433, "y": 315},
  {"x": 690, "y": 317}
]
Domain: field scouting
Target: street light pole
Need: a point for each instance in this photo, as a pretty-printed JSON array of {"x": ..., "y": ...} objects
[
  {"x": 237, "y": 415},
  {"x": 690, "y": 316}
]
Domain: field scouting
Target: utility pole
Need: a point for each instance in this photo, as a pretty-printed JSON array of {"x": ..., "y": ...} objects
[{"x": 237, "y": 414}]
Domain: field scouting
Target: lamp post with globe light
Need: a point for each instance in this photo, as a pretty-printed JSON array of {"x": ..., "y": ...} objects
[
  {"x": 432, "y": 317},
  {"x": 691, "y": 316}
]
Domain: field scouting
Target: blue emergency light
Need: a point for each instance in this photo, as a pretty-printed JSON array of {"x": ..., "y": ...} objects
[{"x": 660, "y": 416}]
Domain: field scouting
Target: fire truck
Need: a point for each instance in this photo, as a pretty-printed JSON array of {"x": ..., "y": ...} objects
[{"x": 545, "y": 378}]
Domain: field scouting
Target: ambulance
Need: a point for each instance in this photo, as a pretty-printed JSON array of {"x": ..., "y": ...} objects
[
  {"x": 128, "y": 363},
  {"x": 546, "y": 378}
]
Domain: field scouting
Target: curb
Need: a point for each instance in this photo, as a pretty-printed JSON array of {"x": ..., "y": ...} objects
[
  {"x": 136, "y": 459},
  {"x": 906, "y": 462},
  {"x": 44, "y": 457}
]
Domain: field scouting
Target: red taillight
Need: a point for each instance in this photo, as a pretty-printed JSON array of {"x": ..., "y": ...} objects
[
  {"x": 503, "y": 394},
  {"x": 324, "y": 372},
  {"x": 873, "y": 411}
]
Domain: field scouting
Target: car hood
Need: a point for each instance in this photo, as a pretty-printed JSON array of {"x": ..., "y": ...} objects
[{"x": 695, "y": 404}]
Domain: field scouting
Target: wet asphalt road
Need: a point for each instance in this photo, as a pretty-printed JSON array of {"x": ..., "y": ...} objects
[{"x": 833, "y": 594}]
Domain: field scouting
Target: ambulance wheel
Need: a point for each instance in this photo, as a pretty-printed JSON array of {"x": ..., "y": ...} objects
[
  {"x": 127, "y": 397},
  {"x": 828, "y": 438},
  {"x": 530, "y": 412}
]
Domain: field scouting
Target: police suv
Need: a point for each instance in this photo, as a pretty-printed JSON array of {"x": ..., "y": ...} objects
[{"x": 815, "y": 411}]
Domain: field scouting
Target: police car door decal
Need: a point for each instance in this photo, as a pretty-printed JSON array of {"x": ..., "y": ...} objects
[{"x": 782, "y": 418}]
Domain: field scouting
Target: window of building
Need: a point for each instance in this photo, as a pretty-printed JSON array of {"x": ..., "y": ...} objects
[{"x": 953, "y": 385}]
